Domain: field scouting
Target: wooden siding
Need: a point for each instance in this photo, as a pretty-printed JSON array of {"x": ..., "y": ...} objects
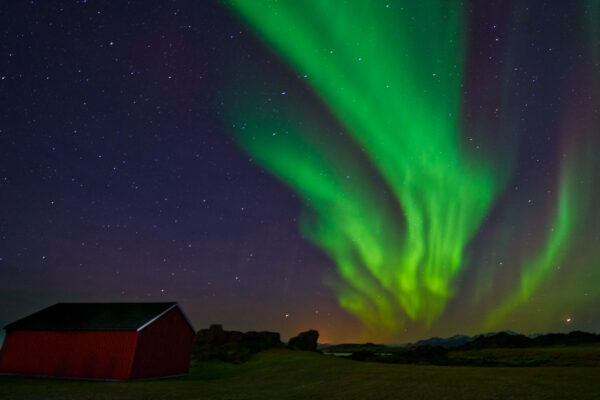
[
  {"x": 164, "y": 347},
  {"x": 77, "y": 354}
]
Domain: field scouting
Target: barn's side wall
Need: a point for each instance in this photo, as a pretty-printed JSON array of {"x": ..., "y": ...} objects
[
  {"x": 164, "y": 347},
  {"x": 76, "y": 354}
]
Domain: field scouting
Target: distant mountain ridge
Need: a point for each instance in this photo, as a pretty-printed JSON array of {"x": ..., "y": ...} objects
[
  {"x": 452, "y": 341},
  {"x": 508, "y": 339}
]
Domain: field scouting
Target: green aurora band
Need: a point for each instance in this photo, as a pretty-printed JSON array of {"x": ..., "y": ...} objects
[
  {"x": 392, "y": 76},
  {"x": 576, "y": 183}
]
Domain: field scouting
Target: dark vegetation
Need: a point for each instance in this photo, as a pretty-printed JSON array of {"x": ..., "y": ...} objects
[{"x": 420, "y": 355}]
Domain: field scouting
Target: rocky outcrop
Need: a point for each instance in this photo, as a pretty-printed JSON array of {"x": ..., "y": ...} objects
[
  {"x": 304, "y": 341},
  {"x": 215, "y": 343}
]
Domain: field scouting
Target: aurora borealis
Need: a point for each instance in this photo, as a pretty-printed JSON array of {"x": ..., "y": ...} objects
[
  {"x": 400, "y": 102},
  {"x": 376, "y": 170},
  {"x": 392, "y": 74}
]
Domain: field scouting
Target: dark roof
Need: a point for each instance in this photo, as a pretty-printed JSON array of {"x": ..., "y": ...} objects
[{"x": 93, "y": 316}]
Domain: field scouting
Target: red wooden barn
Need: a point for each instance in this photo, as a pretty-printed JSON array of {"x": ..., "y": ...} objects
[{"x": 119, "y": 341}]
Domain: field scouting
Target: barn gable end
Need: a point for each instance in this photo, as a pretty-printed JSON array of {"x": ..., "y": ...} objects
[{"x": 158, "y": 353}]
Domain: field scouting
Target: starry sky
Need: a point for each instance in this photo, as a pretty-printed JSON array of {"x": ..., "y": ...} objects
[{"x": 383, "y": 171}]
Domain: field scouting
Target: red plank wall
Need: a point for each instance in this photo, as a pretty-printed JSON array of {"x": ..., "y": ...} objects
[
  {"x": 164, "y": 347},
  {"x": 83, "y": 354}
]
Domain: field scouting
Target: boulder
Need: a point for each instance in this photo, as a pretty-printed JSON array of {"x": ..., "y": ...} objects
[
  {"x": 304, "y": 341},
  {"x": 215, "y": 343}
]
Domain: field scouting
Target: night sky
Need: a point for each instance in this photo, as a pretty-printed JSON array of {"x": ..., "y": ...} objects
[{"x": 383, "y": 171}]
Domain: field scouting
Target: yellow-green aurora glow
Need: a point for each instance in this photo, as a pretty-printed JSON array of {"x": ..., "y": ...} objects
[
  {"x": 392, "y": 75},
  {"x": 576, "y": 183}
]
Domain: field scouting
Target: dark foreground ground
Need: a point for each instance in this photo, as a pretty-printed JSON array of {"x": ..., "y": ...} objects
[{"x": 285, "y": 374}]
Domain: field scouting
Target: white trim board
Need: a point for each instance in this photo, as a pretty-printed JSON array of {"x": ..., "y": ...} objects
[{"x": 166, "y": 311}]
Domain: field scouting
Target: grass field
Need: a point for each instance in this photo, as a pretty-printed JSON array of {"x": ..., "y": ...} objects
[{"x": 285, "y": 374}]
